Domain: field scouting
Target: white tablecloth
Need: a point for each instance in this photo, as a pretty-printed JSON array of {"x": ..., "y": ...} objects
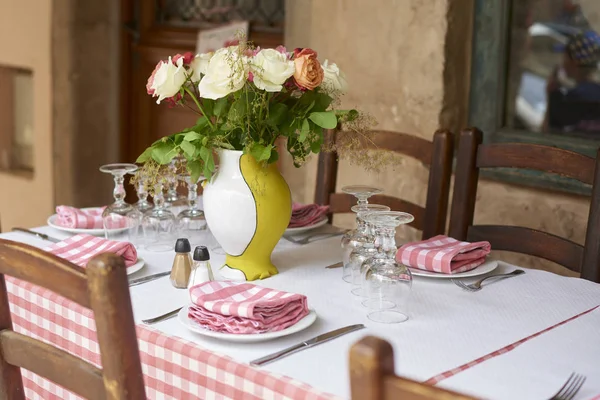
[{"x": 447, "y": 328}]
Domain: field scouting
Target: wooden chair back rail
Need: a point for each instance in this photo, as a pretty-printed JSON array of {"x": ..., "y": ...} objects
[
  {"x": 44, "y": 269},
  {"x": 472, "y": 155},
  {"x": 372, "y": 376},
  {"x": 342, "y": 203},
  {"x": 432, "y": 218},
  {"x": 537, "y": 157},
  {"x": 57, "y": 365},
  {"x": 529, "y": 241},
  {"x": 101, "y": 286},
  {"x": 398, "y": 142}
]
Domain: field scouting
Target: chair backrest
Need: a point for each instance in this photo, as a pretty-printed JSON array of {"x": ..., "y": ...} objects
[
  {"x": 102, "y": 287},
  {"x": 372, "y": 376},
  {"x": 473, "y": 155},
  {"x": 438, "y": 154}
]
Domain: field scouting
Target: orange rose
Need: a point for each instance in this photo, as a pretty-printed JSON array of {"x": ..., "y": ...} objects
[{"x": 308, "y": 72}]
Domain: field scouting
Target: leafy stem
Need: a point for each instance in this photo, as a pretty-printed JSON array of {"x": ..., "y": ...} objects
[{"x": 188, "y": 91}]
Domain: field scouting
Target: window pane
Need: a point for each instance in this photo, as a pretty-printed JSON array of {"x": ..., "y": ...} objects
[
  {"x": 16, "y": 119},
  {"x": 553, "y": 80}
]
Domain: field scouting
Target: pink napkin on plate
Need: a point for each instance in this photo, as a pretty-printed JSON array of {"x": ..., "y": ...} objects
[
  {"x": 71, "y": 217},
  {"x": 443, "y": 254},
  {"x": 79, "y": 249},
  {"x": 243, "y": 308},
  {"x": 307, "y": 214}
]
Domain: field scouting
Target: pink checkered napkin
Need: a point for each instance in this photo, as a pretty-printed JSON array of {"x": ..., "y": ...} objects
[
  {"x": 307, "y": 214},
  {"x": 79, "y": 249},
  {"x": 71, "y": 217},
  {"x": 443, "y": 254},
  {"x": 243, "y": 308}
]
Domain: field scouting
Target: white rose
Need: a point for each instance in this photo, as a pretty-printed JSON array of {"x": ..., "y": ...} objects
[
  {"x": 227, "y": 72},
  {"x": 199, "y": 66},
  {"x": 334, "y": 78},
  {"x": 166, "y": 80},
  {"x": 271, "y": 69}
]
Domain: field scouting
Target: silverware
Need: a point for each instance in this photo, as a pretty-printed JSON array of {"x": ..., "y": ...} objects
[
  {"x": 570, "y": 389},
  {"x": 325, "y": 337},
  {"x": 148, "y": 278},
  {"x": 306, "y": 240},
  {"x": 336, "y": 265},
  {"x": 474, "y": 287},
  {"x": 38, "y": 234},
  {"x": 163, "y": 317}
]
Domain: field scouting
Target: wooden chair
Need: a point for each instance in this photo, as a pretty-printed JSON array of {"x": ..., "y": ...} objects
[
  {"x": 103, "y": 287},
  {"x": 473, "y": 155},
  {"x": 372, "y": 376},
  {"x": 437, "y": 154}
]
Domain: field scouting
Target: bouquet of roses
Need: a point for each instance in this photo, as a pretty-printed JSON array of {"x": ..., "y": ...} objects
[{"x": 245, "y": 99}]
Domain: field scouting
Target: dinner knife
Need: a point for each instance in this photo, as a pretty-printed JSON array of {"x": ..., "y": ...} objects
[
  {"x": 325, "y": 337},
  {"x": 148, "y": 278},
  {"x": 336, "y": 265},
  {"x": 38, "y": 234}
]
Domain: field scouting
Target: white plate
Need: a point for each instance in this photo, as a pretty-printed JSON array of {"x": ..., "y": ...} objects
[
  {"x": 94, "y": 232},
  {"x": 256, "y": 337},
  {"x": 484, "y": 268},
  {"x": 135, "y": 267},
  {"x": 302, "y": 229}
]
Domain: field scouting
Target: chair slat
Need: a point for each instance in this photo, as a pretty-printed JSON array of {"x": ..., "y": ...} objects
[
  {"x": 30, "y": 264},
  {"x": 529, "y": 241},
  {"x": 342, "y": 203},
  {"x": 537, "y": 157},
  {"x": 57, "y": 365}
]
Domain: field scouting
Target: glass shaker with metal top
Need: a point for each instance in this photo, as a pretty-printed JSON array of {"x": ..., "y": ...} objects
[
  {"x": 201, "y": 269},
  {"x": 182, "y": 264}
]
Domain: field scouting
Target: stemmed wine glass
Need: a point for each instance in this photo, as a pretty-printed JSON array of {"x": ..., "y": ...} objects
[
  {"x": 362, "y": 194},
  {"x": 116, "y": 216},
  {"x": 387, "y": 283},
  {"x": 362, "y": 237},
  {"x": 159, "y": 224},
  {"x": 192, "y": 221}
]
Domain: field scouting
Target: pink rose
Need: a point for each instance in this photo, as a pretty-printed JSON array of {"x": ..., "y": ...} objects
[
  {"x": 308, "y": 72},
  {"x": 187, "y": 58}
]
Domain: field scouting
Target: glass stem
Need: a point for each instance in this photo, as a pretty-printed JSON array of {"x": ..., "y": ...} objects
[
  {"x": 142, "y": 193},
  {"x": 387, "y": 241},
  {"x": 192, "y": 194},
  {"x": 119, "y": 191},
  {"x": 159, "y": 197}
]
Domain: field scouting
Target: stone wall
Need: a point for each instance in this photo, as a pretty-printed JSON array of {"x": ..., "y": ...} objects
[{"x": 408, "y": 64}]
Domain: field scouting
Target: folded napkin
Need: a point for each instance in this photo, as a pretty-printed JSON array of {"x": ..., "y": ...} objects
[
  {"x": 79, "y": 249},
  {"x": 71, "y": 217},
  {"x": 443, "y": 254},
  {"x": 243, "y": 308},
  {"x": 307, "y": 214}
]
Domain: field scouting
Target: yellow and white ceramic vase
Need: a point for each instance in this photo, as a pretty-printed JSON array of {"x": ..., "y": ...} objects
[{"x": 248, "y": 208}]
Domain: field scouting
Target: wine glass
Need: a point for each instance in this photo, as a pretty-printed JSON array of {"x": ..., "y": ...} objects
[
  {"x": 362, "y": 194},
  {"x": 192, "y": 221},
  {"x": 362, "y": 236},
  {"x": 387, "y": 283},
  {"x": 159, "y": 224},
  {"x": 116, "y": 216}
]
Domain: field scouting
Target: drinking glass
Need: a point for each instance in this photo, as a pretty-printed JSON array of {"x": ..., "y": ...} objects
[
  {"x": 387, "y": 283},
  {"x": 362, "y": 236},
  {"x": 192, "y": 221},
  {"x": 116, "y": 216},
  {"x": 159, "y": 224},
  {"x": 362, "y": 194}
]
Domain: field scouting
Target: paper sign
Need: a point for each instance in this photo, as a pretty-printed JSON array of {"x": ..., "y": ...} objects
[{"x": 214, "y": 39}]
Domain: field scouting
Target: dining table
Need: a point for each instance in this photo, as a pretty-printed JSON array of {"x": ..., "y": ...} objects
[{"x": 517, "y": 338}]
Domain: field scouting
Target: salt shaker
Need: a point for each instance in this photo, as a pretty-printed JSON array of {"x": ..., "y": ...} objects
[
  {"x": 182, "y": 264},
  {"x": 201, "y": 270}
]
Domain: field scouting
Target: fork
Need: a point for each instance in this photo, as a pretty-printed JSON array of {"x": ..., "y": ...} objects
[
  {"x": 474, "y": 287},
  {"x": 306, "y": 240},
  {"x": 570, "y": 389}
]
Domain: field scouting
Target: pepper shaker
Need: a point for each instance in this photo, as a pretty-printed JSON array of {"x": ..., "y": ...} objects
[{"x": 182, "y": 264}]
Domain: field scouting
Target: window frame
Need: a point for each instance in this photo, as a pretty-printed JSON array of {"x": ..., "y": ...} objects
[{"x": 489, "y": 75}]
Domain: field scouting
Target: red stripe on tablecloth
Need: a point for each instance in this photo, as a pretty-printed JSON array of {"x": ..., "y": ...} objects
[
  {"x": 597, "y": 397},
  {"x": 447, "y": 374}
]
